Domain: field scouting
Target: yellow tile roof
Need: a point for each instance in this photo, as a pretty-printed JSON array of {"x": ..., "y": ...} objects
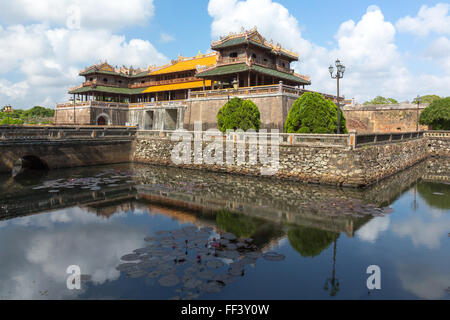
[
  {"x": 188, "y": 64},
  {"x": 178, "y": 86}
]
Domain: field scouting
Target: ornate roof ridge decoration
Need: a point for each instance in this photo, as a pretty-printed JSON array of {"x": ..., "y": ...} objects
[
  {"x": 122, "y": 71},
  {"x": 254, "y": 35},
  {"x": 301, "y": 76}
]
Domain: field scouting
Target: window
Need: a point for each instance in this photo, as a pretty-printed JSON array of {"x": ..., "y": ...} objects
[
  {"x": 283, "y": 64},
  {"x": 142, "y": 81},
  {"x": 91, "y": 79},
  {"x": 120, "y": 81},
  {"x": 254, "y": 56},
  {"x": 105, "y": 80},
  {"x": 233, "y": 55}
]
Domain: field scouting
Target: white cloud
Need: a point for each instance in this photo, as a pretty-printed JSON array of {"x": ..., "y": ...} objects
[
  {"x": 421, "y": 233},
  {"x": 423, "y": 280},
  {"x": 429, "y": 19},
  {"x": 39, "y": 261},
  {"x": 166, "y": 38},
  {"x": 372, "y": 230},
  {"x": 92, "y": 14},
  {"x": 46, "y": 60},
  {"x": 439, "y": 51},
  {"x": 375, "y": 66}
]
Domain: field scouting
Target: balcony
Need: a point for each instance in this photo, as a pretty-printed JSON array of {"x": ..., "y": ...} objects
[{"x": 163, "y": 82}]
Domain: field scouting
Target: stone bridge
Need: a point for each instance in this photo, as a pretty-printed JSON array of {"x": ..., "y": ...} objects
[{"x": 50, "y": 147}]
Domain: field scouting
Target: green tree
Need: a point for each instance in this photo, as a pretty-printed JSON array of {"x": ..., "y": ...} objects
[
  {"x": 381, "y": 100},
  {"x": 9, "y": 121},
  {"x": 427, "y": 99},
  {"x": 312, "y": 113},
  {"x": 310, "y": 242},
  {"x": 437, "y": 115},
  {"x": 239, "y": 114},
  {"x": 437, "y": 195}
]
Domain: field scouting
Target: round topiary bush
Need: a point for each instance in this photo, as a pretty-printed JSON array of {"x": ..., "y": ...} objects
[
  {"x": 239, "y": 114},
  {"x": 312, "y": 113},
  {"x": 437, "y": 115}
]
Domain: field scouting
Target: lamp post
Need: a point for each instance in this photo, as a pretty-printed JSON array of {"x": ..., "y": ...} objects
[
  {"x": 418, "y": 100},
  {"x": 340, "y": 69}
]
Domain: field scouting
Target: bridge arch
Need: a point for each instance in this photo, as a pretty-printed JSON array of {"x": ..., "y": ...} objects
[
  {"x": 29, "y": 162},
  {"x": 103, "y": 120}
]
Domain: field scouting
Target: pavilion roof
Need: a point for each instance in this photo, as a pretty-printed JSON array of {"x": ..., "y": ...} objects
[
  {"x": 255, "y": 38},
  {"x": 106, "y": 89},
  {"x": 185, "y": 64},
  {"x": 178, "y": 86}
]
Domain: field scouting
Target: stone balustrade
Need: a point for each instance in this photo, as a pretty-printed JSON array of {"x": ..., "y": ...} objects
[{"x": 30, "y": 134}]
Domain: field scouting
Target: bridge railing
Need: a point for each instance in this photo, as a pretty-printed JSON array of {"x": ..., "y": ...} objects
[
  {"x": 325, "y": 140},
  {"x": 437, "y": 134},
  {"x": 380, "y": 138},
  {"x": 25, "y": 133}
]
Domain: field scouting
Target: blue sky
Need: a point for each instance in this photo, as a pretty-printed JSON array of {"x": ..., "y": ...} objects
[{"x": 392, "y": 48}]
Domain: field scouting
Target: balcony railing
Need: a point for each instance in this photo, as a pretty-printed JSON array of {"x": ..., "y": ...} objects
[
  {"x": 103, "y": 104},
  {"x": 163, "y": 82}
]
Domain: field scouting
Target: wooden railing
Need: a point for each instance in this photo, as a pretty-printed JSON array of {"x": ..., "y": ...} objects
[
  {"x": 33, "y": 133},
  {"x": 268, "y": 89}
]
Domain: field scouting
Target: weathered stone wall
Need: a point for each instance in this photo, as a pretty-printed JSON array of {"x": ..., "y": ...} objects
[
  {"x": 327, "y": 165},
  {"x": 67, "y": 154},
  {"x": 439, "y": 146},
  {"x": 383, "y": 118},
  {"x": 115, "y": 114},
  {"x": 273, "y": 108}
]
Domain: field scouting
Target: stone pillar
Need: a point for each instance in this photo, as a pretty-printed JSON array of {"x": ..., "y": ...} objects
[{"x": 281, "y": 86}]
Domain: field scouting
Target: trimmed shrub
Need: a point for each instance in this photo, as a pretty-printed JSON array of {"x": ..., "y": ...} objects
[
  {"x": 239, "y": 114},
  {"x": 312, "y": 113}
]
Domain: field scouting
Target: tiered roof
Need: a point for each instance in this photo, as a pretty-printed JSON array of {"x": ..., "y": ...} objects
[
  {"x": 105, "y": 68},
  {"x": 255, "y": 38}
]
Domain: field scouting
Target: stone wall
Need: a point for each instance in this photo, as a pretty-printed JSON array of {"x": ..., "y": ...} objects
[
  {"x": 114, "y": 114},
  {"x": 383, "y": 118},
  {"x": 326, "y": 165},
  {"x": 274, "y": 109},
  {"x": 67, "y": 154}
]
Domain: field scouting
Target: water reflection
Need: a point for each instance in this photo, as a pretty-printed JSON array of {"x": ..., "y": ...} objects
[{"x": 237, "y": 226}]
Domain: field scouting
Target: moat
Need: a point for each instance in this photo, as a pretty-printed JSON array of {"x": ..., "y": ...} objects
[{"x": 150, "y": 232}]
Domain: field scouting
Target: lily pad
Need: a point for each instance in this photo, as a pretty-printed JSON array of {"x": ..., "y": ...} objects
[
  {"x": 130, "y": 257},
  {"x": 170, "y": 280},
  {"x": 154, "y": 274},
  {"x": 215, "y": 264},
  {"x": 273, "y": 256},
  {"x": 228, "y": 236}
]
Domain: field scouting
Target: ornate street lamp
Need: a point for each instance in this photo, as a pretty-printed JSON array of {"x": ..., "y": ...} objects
[
  {"x": 340, "y": 70},
  {"x": 418, "y": 100}
]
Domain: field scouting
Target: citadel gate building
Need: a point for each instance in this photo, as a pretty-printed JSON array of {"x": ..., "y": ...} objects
[{"x": 192, "y": 89}]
